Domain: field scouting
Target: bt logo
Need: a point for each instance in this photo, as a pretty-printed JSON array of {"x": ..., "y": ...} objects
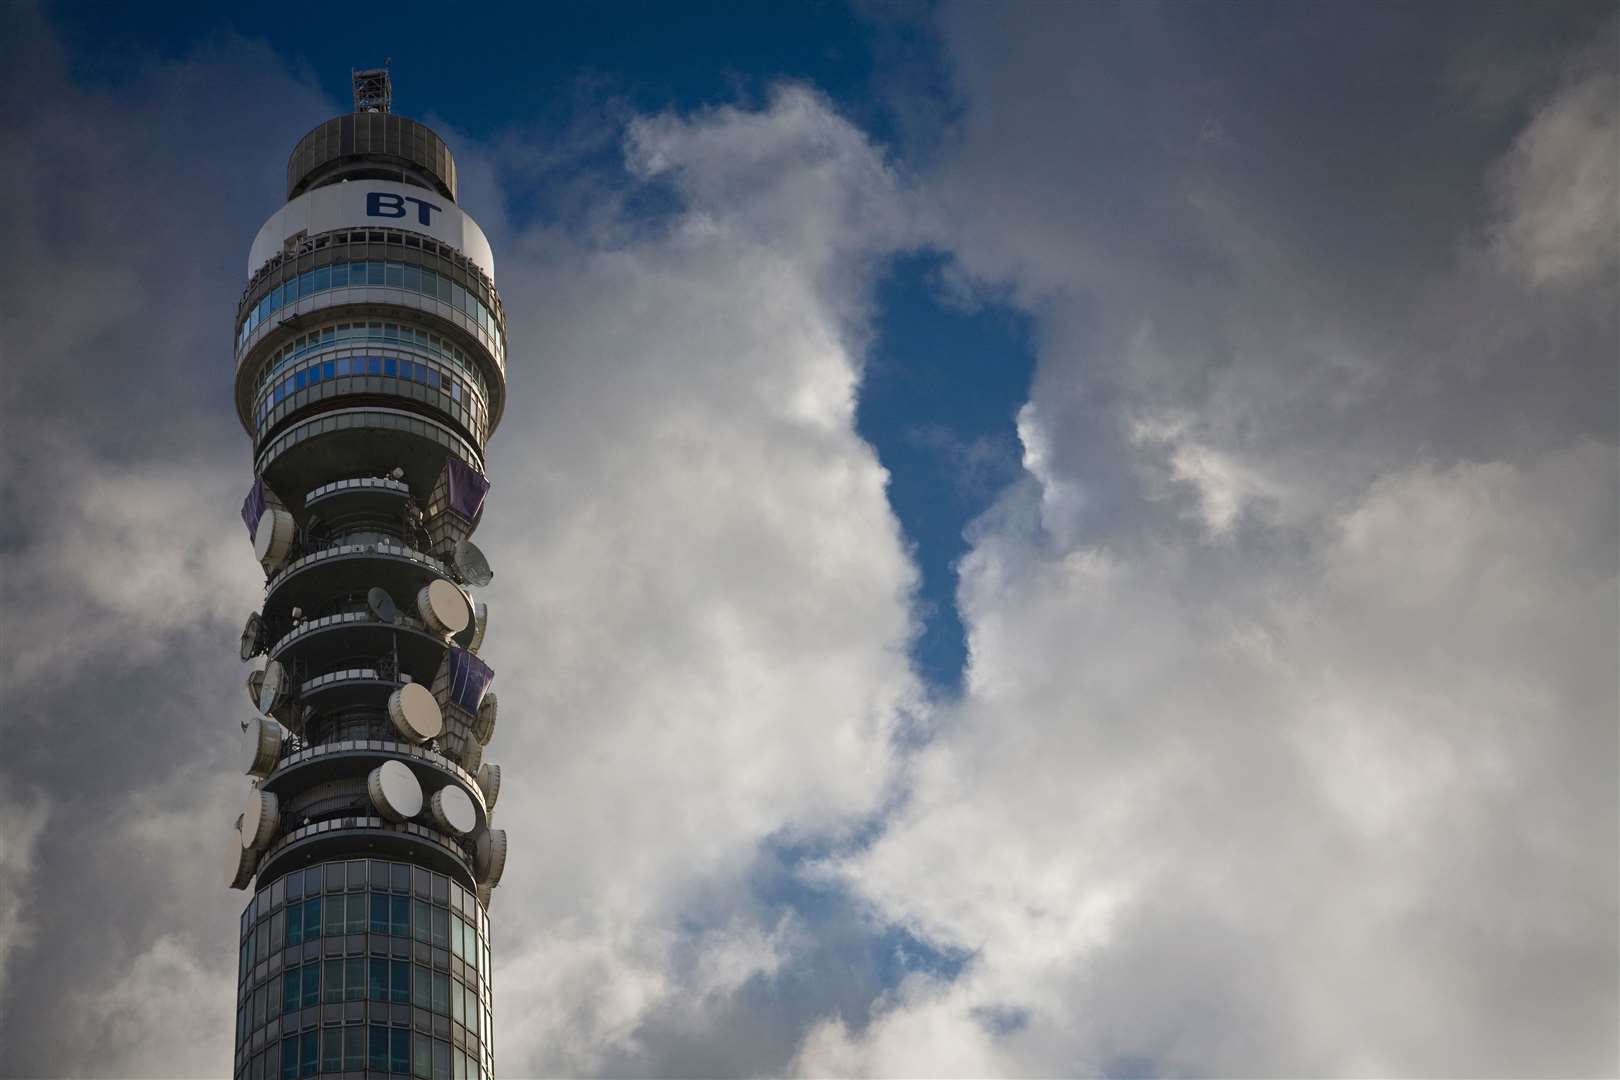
[{"x": 389, "y": 205}]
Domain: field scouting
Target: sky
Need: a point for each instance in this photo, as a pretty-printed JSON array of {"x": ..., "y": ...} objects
[{"x": 1030, "y": 540}]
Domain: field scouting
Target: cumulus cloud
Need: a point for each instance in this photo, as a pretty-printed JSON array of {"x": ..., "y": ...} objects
[
  {"x": 1287, "y": 743},
  {"x": 1560, "y": 186}
]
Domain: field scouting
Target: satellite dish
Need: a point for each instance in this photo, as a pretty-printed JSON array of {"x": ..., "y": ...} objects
[
  {"x": 255, "y": 681},
  {"x": 453, "y": 809},
  {"x": 489, "y": 782},
  {"x": 243, "y": 861},
  {"x": 484, "y": 725},
  {"x": 443, "y": 607},
  {"x": 272, "y": 540},
  {"x": 489, "y": 856},
  {"x": 381, "y": 605},
  {"x": 472, "y": 755},
  {"x": 252, "y": 637},
  {"x": 394, "y": 791},
  {"x": 273, "y": 690},
  {"x": 480, "y": 624},
  {"x": 471, "y": 564},
  {"x": 259, "y": 819},
  {"x": 262, "y": 739},
  {"x": 414, "y": 712}
]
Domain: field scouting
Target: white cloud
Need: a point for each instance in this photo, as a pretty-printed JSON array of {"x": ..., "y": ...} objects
[
  {"x": 704, "y": 596},
  {"x": 22, "y": 822},
  {"x": 1340, "y": 820},
  {"x": 1560, "y": 187},
  {"x": 1332, "y": 796}
]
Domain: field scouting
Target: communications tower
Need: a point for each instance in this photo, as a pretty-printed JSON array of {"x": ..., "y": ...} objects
[{"x": 370, "y": 370}]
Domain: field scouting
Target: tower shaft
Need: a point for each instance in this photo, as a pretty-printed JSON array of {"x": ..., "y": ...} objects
[{"x": 370, "y": 372}]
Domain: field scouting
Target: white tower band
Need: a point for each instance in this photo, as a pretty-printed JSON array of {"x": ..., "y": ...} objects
[{"x": 370, "y": 371}]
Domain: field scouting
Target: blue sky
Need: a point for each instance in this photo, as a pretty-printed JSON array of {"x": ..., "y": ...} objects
[{"x": 1030, "y": 539}]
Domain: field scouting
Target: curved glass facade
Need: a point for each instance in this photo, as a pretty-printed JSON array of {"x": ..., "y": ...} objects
[
  {"x": 385, "y": 273},
  {"x": 400, "y": 374},
  {"x": 364, "y": 964}
]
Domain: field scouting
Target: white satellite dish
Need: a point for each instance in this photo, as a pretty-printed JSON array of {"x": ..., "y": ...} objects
[
  {"x": 443, "y": 607},
  {"x": 255, "y": 683},
  {"x": 414, "y": 712},
  {"x": 480, "y": 625},
  {"x": 243, "y": 860},
  {"x": 472, "y": 755},
  {"x": 252, "y": 637},
  {"x": 273, "y": 688},
  {"x": 260, "y": 818},
  {"x": 262, "y": 738},
  {"x": 489, "y": 782},
  {"x": 489, "y": 856},
  {"x": 471, "y": 564},
  {"x": 453, "y": 809},
  {"x": 394, "y": 791},
  {"x": 381, "y": 605},
  {"x": 484, "y": 725},
  {"x": 272, "y": 540}
]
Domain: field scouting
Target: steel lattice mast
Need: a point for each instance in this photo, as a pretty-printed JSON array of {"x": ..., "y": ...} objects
[{"x": 370, "y": 370}]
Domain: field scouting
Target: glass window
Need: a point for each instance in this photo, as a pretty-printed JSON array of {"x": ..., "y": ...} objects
[
  {"x": 422, "y": 1059},
  {"x": 393, "y": 274},
  {"x": 390, "y": 366},
  {"x": 400, "y": 912},
  {"x": 379, "y": 913},
  {"x": 279, "y": 891},
  {"x": 292, "y": 989},
  {"x": 320, "y": 279},
  {"x": 419, "y": 924},
  {"x": 332, "y": 1049},
  {"x": 334, "y": 981},
  {"x": 326, "y": 370},
  {"x": 373, "y": 365},
  {"x": 354, "y": 1048},
  {"x": 421, "y": 987},
  {"x": 441, "y": 993},
  {"x": 312, "y": 919},
  {"x": 354, "y": 978},
  {"x": 262, "y": 949},
  {"x": 441, "y": 1060},
  {"x": 441, "y": 927},
  {"x": 379, "y": 979},
  {"x": 289, "y": 1058},
  {"x": 400, "y": 992},
  {"x": 399, "y": 1050},
  {"x": 278, "y": 924},
  {"x": 301, "y": 380},
  {"x": 334, "y": 916},
  {"x": 457, "y": 932},
  {"x": 357, "y": 911},
  {"x": 357, "y": 874},
  {"x": 458, "y": 1002},
  {"x": 411, "y": 278},
  {"x": 459, "y": 1065},
  {"x": 378, "y": 1057},
  {"x": 308, "y": 1063},
  {"x": 312, "y": 985}
]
